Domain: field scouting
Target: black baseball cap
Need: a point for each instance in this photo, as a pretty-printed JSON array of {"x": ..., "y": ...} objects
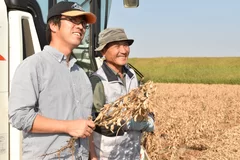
[{"x": 70, "y": 9}]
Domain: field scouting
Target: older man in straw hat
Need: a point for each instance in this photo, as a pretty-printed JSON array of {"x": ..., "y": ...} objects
[
  {"x": 113, "y": 80},
  {"x": 51, "y": 96}
]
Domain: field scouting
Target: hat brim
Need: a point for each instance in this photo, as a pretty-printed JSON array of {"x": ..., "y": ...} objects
[
  {"x": 90, "y": 17},
  {"x": 129, "y": 41}
]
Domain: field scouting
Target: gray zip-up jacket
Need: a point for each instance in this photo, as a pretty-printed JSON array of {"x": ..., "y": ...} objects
[{"x": 127, "y": 145}]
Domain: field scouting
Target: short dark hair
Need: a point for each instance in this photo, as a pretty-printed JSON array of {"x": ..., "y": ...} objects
[{"x": 55, "y": 20}]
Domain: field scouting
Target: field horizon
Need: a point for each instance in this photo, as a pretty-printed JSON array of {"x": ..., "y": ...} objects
[{"x": 200, "y": 70}]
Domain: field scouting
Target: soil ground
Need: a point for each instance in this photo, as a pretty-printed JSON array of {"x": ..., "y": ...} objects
[{"x": 195, "y": 122}]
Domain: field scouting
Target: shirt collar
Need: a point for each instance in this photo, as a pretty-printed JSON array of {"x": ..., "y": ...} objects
[
  {"x": 112, "y": 75},
  {"x": 59, "y": 56}
]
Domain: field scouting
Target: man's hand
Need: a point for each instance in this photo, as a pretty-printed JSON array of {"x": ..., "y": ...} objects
[
  {"x": 80, "y": 128},
  {"x": 147, "y": 126}
]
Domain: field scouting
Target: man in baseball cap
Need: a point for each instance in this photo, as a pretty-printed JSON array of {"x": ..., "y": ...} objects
[{"x": 51, "y": 96}]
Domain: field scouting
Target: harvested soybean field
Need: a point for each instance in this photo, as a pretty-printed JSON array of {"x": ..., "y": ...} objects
[{"x": 195, "y": 122}]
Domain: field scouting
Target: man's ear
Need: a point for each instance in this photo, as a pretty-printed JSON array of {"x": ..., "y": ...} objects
[{"x": 53, "y": 27}]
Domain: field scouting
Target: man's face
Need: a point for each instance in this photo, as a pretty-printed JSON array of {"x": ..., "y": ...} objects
[
  {"x": 116, "y": 53},
  {"x": 72, "y": 30}
]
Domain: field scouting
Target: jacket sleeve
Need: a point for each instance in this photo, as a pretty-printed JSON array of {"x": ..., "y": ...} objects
[{"x": 98, "y": 95}]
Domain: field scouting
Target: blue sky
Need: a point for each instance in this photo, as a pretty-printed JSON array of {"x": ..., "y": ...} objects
[{"x": 180, "y": 28}]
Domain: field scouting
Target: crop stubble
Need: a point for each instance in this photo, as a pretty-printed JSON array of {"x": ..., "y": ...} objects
[{"x": 196, "y": 121}]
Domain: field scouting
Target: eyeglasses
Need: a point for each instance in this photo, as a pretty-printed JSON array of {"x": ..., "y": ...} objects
[{"x": 77, "y": 21}]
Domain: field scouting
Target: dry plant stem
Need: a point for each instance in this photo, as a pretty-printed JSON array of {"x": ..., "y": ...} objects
[
  {"x": 151, "y": 142},
  {"x": 69, "y": 145},
  {"x": 136, "y": 104}
]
